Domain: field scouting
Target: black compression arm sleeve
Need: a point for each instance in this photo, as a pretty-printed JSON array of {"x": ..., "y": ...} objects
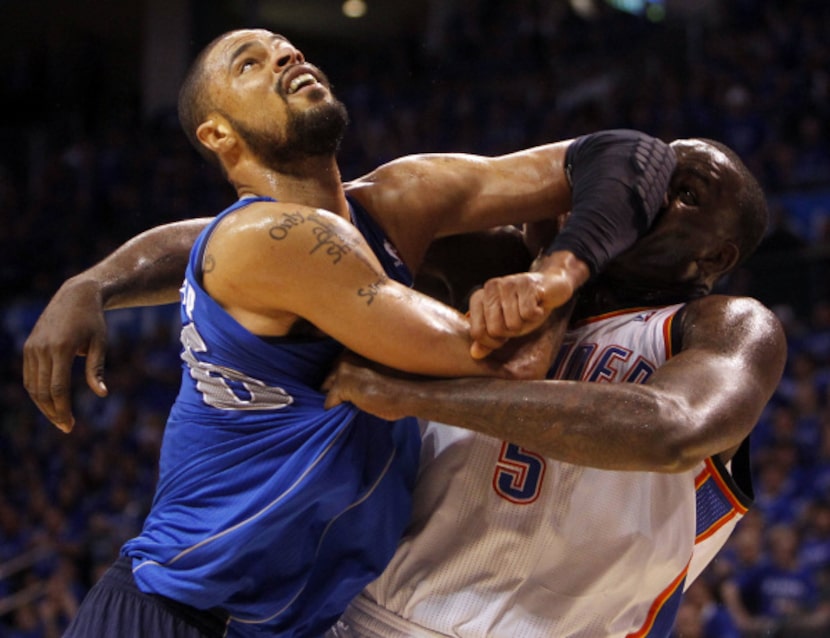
[{"x": 619, "y": 179}]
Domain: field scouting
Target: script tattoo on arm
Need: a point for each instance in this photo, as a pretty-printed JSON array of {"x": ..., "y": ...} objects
[
  {"x": 325, "y": 234},
  {"x": 330, "y": 242},
  {"x": 289, "y": 221},
  {"x": 327, "y": 238},
  {"x": 371, "y": 291}
]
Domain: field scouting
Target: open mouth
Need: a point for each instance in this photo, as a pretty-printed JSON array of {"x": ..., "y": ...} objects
[{"x": 301, "y": 81}]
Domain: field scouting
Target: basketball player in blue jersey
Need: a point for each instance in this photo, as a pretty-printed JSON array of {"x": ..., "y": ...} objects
[
  {"x": 271, "y": 513},
  {"x": 563, "y": 508}
]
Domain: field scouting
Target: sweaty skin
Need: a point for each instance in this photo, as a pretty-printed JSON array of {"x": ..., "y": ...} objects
[{"x": 702, "y": 402}]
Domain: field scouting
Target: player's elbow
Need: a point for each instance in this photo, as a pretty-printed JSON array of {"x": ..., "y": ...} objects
[
  {"x": 677, "y": 455},
  {"x": 686, "y": 439}
]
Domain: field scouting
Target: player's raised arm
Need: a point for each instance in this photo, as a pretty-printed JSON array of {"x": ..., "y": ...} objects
[
  {"x": 610, "y": 184},
  {"x": 612, "y": 181}
]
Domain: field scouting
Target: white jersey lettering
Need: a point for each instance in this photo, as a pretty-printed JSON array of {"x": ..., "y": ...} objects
[{"x": 225, "y": 388}]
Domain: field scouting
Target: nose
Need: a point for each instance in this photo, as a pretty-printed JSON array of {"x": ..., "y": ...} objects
[{"x": 287, "y": 54}]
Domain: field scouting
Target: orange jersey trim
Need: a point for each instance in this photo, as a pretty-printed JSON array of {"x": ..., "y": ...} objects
[
  {"x": 614, "y": 313},
  {"x": 658, "y": 603},
  {"x": 711, "y": 472}
]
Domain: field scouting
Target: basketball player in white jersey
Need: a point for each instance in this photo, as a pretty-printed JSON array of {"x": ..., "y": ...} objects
[{"x": 565, "y": 508}]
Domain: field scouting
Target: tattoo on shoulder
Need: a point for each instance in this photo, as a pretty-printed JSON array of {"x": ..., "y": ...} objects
[
  {"x": 371, "y": 291},
  {"x": 325, "y": 234},
  {"x": 288, "y": 221},
  {"x": 208, "y": 263},
  {"x": 328, "y": 241},
  {"x": 333, "y": 244}
]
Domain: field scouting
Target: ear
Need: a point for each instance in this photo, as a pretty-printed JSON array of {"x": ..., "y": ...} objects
[
  {"x": 216, "y": 134},
  {"x": 721, "y": 261}
]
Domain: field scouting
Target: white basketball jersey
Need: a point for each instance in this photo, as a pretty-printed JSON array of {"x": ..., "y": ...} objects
[{"x": 507, "y": 543}]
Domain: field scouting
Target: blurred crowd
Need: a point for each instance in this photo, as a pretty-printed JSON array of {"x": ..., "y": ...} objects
[{"x": 480, "y": 76}]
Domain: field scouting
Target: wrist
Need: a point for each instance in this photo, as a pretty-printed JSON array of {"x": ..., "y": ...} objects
[
  {"x": 88, "y": 287},
  {"x": 618, "y": 181},
  {"x": 559, "y": 269}
]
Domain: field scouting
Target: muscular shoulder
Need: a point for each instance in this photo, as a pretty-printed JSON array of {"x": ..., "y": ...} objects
[
  {"x": 730, "y": 363},
  {"x": 259, "y": 215},
  {"x": 265, "y": 262},
  {"x": 253, "y": 232},
  {"x": 402, "y": 178},
  {"x": 412, "y": 197},
  {"x": 735, "y": 325}
]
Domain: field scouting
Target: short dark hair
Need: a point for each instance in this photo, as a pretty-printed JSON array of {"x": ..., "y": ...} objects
[
  {"x": 195, "y": 102},
  {"x": 753, "y": 209}
]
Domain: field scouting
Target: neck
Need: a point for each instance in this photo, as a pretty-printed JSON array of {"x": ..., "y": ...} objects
[
  {"x": 313, "y": 182},
  {"x": 605, "y": 294}
]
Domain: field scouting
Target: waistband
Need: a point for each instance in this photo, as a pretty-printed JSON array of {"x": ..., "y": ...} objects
[
  {"x": 366, "y": 619},
  {"x": 211, "y": 622}
]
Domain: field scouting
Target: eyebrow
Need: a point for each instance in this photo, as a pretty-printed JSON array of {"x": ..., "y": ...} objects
[
  {"x": 240, "y": 50},
  {"x": 703, "y": 176},
  {"x": 250, "y": 43}
]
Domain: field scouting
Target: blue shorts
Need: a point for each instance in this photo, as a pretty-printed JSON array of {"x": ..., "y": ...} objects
[{"x": 115, "y": 606}]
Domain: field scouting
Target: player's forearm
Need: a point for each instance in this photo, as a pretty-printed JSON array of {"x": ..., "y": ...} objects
[
  {"x": 607, "y": 426},
  {"x": 416, "y": 334},
  {"x": 146, "y": 270}
]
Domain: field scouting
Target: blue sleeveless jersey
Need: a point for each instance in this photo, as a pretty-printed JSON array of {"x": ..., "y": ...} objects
[{"x": 267, "y": 505}]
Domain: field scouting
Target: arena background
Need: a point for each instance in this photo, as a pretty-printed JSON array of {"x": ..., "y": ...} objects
[{"x": 91, "y": 153}]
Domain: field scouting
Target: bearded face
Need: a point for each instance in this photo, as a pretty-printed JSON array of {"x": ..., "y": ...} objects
[{"x": 312, "y": 132}]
